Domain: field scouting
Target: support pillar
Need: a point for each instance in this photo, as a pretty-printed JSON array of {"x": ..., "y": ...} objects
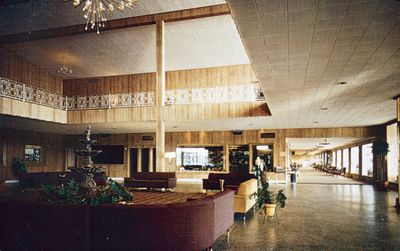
[
  {"x": 160, "y": 95},
  {"x": 398, "y": 160}
]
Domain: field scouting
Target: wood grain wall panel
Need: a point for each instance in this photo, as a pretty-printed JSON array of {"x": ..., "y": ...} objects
[
  {"x": 17, "y": 68},
  {"x": 28, "y": 110},
  {"x": 15, "y": 141},
  {"x": 194, "y": 78},
  {"x": 174, "y": 139},
  {"x": 176, "y": 112}
]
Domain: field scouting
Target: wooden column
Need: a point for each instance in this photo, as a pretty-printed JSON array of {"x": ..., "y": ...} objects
[
  {"x": 150, "y": 160},
  {"x": 160, "y": 95},
  {"x": 398, "y": 160},
  {"x": 360, "y": 163}
]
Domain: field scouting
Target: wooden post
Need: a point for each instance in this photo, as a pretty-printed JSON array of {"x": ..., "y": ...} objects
[
  {"x": 160, "y": 95},
  {"x": 398, "y": 160}
]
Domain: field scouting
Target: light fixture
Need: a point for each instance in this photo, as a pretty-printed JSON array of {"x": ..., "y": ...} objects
[
  {"x": 324, "y": 109},
  {"x": 341, "y": 83},
  {"x": 64, "y": 69},
  {"x": 96, "y": 10}
]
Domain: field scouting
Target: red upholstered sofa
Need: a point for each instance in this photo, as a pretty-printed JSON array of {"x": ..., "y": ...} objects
[
  {"x": 151, "y": 180},
  {"x": 193, "y": 225},
  {"x": 230, "y": 179}
]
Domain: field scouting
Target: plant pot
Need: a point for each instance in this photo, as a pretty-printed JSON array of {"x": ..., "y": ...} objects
[{"x": 269, "y": 209}]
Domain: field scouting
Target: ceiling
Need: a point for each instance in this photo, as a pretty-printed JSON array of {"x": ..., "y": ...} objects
[
  {"x": 308, "y": 143},
  {"x": 301, "y": 49},
  {"x": 45, "y": 14},
  {"x": 19, "y": 123},
  {"x": 197, "y": 43}
]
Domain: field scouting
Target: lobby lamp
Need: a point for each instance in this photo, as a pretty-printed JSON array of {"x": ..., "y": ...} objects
[{"x": 170, "y": 156}]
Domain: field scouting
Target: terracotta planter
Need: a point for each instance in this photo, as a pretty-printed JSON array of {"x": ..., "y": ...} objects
[{"x": 269, "y": 209}]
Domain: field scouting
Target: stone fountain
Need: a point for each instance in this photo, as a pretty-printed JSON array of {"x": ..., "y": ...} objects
[{"x": 88, "y": 171}]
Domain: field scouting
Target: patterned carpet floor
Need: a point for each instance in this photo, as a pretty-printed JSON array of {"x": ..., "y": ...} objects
[{"x": 153, "y": 197}]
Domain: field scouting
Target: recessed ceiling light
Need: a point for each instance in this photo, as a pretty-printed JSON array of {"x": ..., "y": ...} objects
[
  {"x": 341, "y": 83},
  {"x": 324, "y": 109}
]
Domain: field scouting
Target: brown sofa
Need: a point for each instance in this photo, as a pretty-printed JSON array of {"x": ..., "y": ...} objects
[
  {"x": 193, "y": 225},
  {"x": 232, "y": 180},
  {"x": 151, "y": 180},
  {"x": 35, "y": 180}
]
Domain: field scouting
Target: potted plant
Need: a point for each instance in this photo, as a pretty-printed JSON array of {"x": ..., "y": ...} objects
[
  {"x": 266, "y": 199},
  {"x": 19, "y": 167},
  {"x": 380, "y": 149}
]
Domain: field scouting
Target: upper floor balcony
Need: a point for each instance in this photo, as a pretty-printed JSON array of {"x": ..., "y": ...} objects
[{"x": 18, "y": 99}]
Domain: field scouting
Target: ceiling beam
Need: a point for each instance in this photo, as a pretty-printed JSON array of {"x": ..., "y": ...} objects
[{"x": 116, "y": 24}]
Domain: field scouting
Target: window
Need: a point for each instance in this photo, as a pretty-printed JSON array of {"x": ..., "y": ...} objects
[
  {"x": 355, "y": 159},
  {"x": 200, "y": 158},
  {"x": 393, "y": 154},
  {"x": 263, "y": 156},
  {"x": 33, "y": 153},
  {"x": 339, "y": 159},
  {"x": 367, "y": 160},
  {"x": 334, "y": 159},
  {"x": 346, "y": 159}
]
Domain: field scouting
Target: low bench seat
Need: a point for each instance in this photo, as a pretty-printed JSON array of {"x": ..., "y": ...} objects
[{"x": 165, "y": 180}]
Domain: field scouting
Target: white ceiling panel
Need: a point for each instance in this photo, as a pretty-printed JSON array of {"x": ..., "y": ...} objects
[
  {"x": 301, "y": 49},
  {"x": 197, "y": 43}
]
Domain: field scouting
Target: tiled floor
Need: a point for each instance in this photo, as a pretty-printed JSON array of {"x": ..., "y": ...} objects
[{"x": 322, "y": 217}]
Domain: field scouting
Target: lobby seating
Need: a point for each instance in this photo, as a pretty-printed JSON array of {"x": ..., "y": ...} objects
[
  {"x": 192, "y": 225},
  {"x": 231, "y": 180},
  {"x": 165, "y": 180},
  {"x": 36, "y": 180},
  {"x": 244, "y": 199}
]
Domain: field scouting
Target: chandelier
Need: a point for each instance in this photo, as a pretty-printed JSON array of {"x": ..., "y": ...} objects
[{"x": 97, "y": 11}]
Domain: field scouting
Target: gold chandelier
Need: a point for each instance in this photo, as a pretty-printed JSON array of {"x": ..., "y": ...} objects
[{"x": 96, "y": 11}]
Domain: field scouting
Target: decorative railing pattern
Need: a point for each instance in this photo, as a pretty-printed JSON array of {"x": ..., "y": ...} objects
[
  {"x": 15, "y": 90},
  {"x": 238, "y": 93}
]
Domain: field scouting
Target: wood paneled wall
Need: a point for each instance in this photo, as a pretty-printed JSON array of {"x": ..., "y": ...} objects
[
  {"x": 195, "y": 78},
  {"x": 56, "y": 145},
  {"x": 174, "y": 139},
  {"x": 14, "y": 144},
  {"x": 17, "y": 68},
  {"x": 175, "y": 112},
  {"x": 28, "y": 110}
]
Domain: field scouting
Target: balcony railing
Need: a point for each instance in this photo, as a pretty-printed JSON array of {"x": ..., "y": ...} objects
[
  {"x": 238, "y": 93},
  {"x": 15, "y": 90}
]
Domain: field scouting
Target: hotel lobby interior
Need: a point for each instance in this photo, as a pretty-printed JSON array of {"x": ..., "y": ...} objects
[{"x": 199, "y": 125}]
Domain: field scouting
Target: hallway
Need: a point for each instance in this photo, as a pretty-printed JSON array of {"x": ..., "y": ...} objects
[
  {"x": 322, "y": 217},
  {"x": 307, "y": 175}
]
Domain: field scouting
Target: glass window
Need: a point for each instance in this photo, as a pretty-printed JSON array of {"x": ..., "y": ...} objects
[
  {"x": 355, "y": 160},
  {"x": 334, "y": 159},
  {"x": 263, "y": 156},
  {"x": 239, "y": 159},
  {"x": 346, "y": 159},
  {"x": 200, "y": 158},
  {"x": 339, "y": 159},
  {"x": 367, "y": 160},
  {"x": 393, "y": 154}
]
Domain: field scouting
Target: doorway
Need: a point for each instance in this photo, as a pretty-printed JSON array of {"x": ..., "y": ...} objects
[
  {"x": 145, "y": 159},
  {"x": 133, "y": 160}
]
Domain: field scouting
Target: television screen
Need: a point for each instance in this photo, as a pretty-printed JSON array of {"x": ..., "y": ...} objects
[{"x": 111, "y": 154}]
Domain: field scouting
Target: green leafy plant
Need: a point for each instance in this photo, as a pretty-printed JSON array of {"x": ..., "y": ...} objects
[
  {"x": 73, "y": 193},
  {"x": 19, "y": 167},
  {"x": 264, "y": 195}
]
